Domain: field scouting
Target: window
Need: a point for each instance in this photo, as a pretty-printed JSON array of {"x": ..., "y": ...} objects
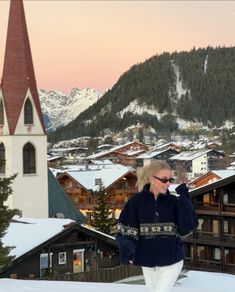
[
  {"x": 29, "y": 159},
  {"x": 98, "y": 181},
  {"x": 28, "y": 112},
  {"x": 216, "y": 256},
  {"x": 2, "y": 158},
  {"x": 62, "y": 258},
  {"x": 189, "y": 251},
  {"x": 1, "y": 113},
  {"x": 45, "y": 263},
  {"x": 225, "y": 199}
]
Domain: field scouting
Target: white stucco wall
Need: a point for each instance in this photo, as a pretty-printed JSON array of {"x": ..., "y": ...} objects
[
  {"x": 30, "y": 192},
  {"x": 200, "y": 165}
]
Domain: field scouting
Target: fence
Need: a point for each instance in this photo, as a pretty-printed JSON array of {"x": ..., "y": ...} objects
[{"x": 102, "y": 275}]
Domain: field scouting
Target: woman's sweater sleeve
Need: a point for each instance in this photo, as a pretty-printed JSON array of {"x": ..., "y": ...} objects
[
  {"x": 187, "y": 220},
  {"x": 127, "y": 232}
]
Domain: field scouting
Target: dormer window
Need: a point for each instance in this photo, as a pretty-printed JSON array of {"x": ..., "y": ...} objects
[
  {"x": 1, "y": 113},
  {"x": 28, "y": 112}
]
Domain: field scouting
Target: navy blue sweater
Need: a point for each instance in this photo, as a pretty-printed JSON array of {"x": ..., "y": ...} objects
[{"x": 150, "y": 232}]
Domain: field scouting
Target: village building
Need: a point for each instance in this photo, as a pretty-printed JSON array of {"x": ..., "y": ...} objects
[
  {"x": 124, "y": 154},
  {"x": 56, "y": 247},
  {"x": 155, "y": 154},
  {"x": 212, "y": 246},
  {"x": 82, "y": 183},
  {"x": 193, "y": 164},
  {"x": 59, "y": 203},
  {"x": 210, "y": 177}
]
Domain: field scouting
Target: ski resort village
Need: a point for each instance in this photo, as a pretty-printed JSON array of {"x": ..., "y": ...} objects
[{"x": 64, "y": 198}]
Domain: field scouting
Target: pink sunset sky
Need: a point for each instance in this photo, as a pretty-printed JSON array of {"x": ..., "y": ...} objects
[{"x": 91, "y": 43}]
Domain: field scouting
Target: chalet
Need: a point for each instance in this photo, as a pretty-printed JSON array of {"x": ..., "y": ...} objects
[
  {"x": 104, "y": 147},
  {"x": 68, "y": 154},
  {"x": 232, "y": 165},
  {"x": 214, "y": 145},
  {"x": 54, "y": 161},
  {"x": 210, "y": 177},
  {"x": 197, "y": 163},
  {"x": 60, "y": 204},
  {"x": 212, "y": 245},
  {"x": 123, "y": 154},
  {"x": 162, "y": 154},
  {"x": 56, "y": 246},
  {"x": 170, "y": 145},
  {"x": 81, "y": 184}
]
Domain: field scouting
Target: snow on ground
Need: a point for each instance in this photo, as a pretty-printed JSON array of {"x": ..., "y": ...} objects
[{"x": 194, "y": 282}]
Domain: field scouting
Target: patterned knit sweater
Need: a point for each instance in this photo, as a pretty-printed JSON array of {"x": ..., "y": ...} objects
[{"x": 150, "y": 231}]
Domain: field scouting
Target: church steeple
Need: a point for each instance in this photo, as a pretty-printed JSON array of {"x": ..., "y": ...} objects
[{"x": 18, "y": 72}]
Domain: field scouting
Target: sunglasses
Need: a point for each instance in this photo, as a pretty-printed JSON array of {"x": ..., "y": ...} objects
[{"x": 164, "y": 180}]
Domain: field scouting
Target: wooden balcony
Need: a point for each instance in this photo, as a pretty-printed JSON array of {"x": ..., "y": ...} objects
[
  {"x": 123, "y": 191},
  {"x": 229, "y": 237},
  {"x": 207, "y": 235},
  {"x": 229, "y": 208},
  {"x": 229, "y": 268},
  {"x": 207, "y": 206},
  {"x": 211, "y": 265}
]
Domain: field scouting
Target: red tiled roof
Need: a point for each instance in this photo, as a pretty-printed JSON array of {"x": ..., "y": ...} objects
[{"x": 18, "y": 71}]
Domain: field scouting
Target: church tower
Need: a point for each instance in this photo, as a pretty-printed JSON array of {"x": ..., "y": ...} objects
[{"x": 23, "y": 141}]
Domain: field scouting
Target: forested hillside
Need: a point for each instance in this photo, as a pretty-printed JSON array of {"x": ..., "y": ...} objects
[{"x": 207, "y": 78}]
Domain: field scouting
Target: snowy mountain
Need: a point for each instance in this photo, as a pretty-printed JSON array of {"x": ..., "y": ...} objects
[
  {"x": 59, "y": 108},
  {"x": 185, "y": 92}
]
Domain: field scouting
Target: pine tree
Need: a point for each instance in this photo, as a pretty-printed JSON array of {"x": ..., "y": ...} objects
[
  {"x": 102, "y": 216},
  {"x": 5, "y": 216}
]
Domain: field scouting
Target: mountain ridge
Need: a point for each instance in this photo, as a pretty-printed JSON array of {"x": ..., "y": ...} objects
[
  {"x": 197, "y": 87},
  {"x": 60, "y": 108}
]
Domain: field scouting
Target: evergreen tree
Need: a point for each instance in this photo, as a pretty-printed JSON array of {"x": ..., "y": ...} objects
[
  {"x": 5, "y": 216},
  {"x": 102, "y": 216}
]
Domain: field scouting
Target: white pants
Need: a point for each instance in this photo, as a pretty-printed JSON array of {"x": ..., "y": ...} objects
[{"x": 162, "y": 279}]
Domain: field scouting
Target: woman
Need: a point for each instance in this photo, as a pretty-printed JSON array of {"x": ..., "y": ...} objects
[{"x": 152, "y": 225}]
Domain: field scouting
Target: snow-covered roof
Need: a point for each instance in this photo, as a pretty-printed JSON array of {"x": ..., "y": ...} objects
[
  {"x": 97, "y": 231},
  {"x": 101, "y": 162},
  {"x": 133, "y": 152},
  {"x": 64, "y": 149},
  {"x": 190, "y": 155},
  {"x": 99, "y": 154},
  {"x": 116, "y": 148},
  {"x": 51, "y": 158},
  {"x": 104, "y": 145},
  {"x": 223, "y": 173},
  {"x": 151, "y": 154},
  {"x": 108, "y": 175},
  {"x": 27, "y": 233}
]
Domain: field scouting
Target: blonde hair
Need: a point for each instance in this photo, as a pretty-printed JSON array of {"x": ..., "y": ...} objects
[{"x": 143, "y": 173}]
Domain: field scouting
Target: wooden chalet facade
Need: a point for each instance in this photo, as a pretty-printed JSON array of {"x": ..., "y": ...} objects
[
  {"x": 210, "y": 177},
  {"x": 124, "y": 154},
  {"x": 119, "y": 191},
  {"x": 75, "y": 249},
  {"x": 156, "y": 154},
  {"x": 212, "y": 245}
]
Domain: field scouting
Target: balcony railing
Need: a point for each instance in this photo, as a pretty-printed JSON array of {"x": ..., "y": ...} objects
[
  {"x": 230, "y": 208},
  {"x": 211, "y": 264},
  {"x": 212, "y": 206},
  {"x": 200, "y": 234},
  {"x": 230, "y": 268},
  {"x": 229, "y": 237}
]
